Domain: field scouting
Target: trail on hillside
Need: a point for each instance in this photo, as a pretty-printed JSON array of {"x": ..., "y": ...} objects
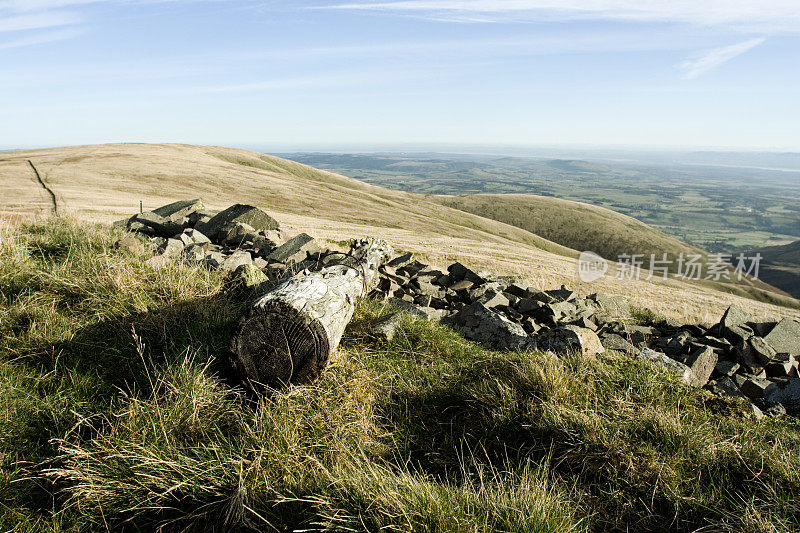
[{"x": 45, "y": 187}]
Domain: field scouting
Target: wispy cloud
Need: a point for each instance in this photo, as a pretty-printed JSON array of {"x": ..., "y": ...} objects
[
  {"x": 38, "y": 21},
  {"x": 42, "y": 38},
  {"x": 764, "y": 14},
  {"x": 713, "y": 58}
]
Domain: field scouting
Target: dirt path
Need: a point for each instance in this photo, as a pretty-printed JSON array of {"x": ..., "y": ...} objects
[{"x": 45, "y": 187}]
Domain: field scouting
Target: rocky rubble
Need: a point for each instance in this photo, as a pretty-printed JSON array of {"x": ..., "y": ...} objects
[
  {"x": 738, "y": 357},
  {"x": 241, "y": 239}
]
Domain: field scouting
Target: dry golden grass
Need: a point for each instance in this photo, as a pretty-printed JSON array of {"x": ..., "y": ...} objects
[{"x": 106, "y": 182}]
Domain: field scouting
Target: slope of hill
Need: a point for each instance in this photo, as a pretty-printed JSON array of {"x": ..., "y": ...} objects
[
  {"x": 576, "y": 225},
  {"x": 116, "y": 416},
  {"x": 107, "y": 182},
  {"x": 780, "y": 267}
]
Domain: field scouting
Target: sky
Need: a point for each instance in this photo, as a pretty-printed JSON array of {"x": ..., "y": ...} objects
[{"x": 305, "y": 73}]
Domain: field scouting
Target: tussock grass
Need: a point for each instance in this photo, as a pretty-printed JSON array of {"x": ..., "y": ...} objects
[{"x": 117, "y": 413}]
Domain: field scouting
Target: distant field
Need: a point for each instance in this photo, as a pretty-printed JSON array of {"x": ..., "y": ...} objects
[{"x": 720, "y": 209}]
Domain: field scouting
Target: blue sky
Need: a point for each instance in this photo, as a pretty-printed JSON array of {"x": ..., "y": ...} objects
[{"x": 298, "y": 74}]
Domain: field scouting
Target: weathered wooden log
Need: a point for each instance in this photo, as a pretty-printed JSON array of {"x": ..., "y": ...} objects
[{"x": 289, "y": 334}]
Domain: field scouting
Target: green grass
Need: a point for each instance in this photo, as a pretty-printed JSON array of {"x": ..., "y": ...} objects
[{"x": 117, "y": 413}]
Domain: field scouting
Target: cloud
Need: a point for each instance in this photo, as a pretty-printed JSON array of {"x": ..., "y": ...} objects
[
  {"x": 713, "y": 58},
  {"x": 41, "y": 38},
  {"x": 38, "y": 21},
  {"x": 774, "y": 15}
]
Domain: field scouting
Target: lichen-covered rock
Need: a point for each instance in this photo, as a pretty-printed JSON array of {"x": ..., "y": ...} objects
[
  {"x": 570, "y": 338},
  {"x": 662, "y": 360},
  {"x": 479, "y": 323}
]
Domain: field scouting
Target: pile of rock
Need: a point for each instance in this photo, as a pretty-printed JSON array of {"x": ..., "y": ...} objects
[
  {"x": 240, "y": 238},
  {"x": 740, "y": 357}
]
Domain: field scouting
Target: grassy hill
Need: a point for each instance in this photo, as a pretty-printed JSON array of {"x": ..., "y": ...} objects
[
  {"x": 780, "y": 267},
  {"x": 576, "y": 225},
  {"x": 117, "y": 415},
  {"x": 107, "y": 182}
]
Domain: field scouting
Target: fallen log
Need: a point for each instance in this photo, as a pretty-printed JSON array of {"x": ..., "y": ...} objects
[{"x": 289, "y": 334}]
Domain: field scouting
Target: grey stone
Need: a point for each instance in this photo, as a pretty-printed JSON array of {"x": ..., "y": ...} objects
[
  {"x": 214, "y": 260},
  {"x": 734, "y": 316},
  {"x": 458, "y": 272},
  {"x": 479, "y": 323},
  {"x": 702, "y": 363},
  {"x": 785, "y": 337},
  {"x": 753, "y": 387},
  {"x": 615, "y": 306},
  {"x": 247, "y": 214},
  {"x": 570, "y": 339},
  {"x": 494, "y": 299},
  {"x": 746, "y": 357},
  {"x": 400, "y": 260},
  {"x": 662, "y": 360},
  {"x": 131, "y": 244},
  {"x": 385, "y": 327},
  {"x": 180, "y": 209},
  {"x": 173, "y": 248},
  {"x": 158, "y": 224},
  {"x": 787, "y": 395},
  {"x": 726, "y": 368},
  {"x": 194, "y": 254},
  {"x": 762, "y": 351},
  {"x": 563, "y": 294},
  {"x": 725, "y": 386},
  {"x": 248, "y": 276},
  {"x": 235, "y": 260},
  {"x": 233, "y": 234},
  {"x": 619, "y": 344},
  {"x": 777, "y": 369},
  {"x": 295, "y": 249},
  {"x": 736, "y": 334}
]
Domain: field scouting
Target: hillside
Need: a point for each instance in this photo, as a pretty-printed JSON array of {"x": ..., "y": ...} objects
[
  {"x": 576, "y": 225},
  {"x": 780, "y": 266},
  {"x": 106, "y": 182},
  {"x": 118, "y": 414}
]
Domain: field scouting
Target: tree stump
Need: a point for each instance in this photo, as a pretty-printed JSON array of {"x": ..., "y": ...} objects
[{"x": 289, "y": 334}]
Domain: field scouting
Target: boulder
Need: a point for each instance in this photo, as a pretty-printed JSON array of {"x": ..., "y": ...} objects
[
  {"x": 295, "y": 249},
  {"x": 752, "y": 386},
  {"x": 173, "y": 248},
  {"x": 458, "y": 272},
  {"x": 247, "y": 276},
  {"x": 246, "y": 214},
  {"x": 618, "y": 343},
  {"x": 701, "y": 362},
  {"x": 787, "y": 395},
  {"x": 235, "y": 260},
  {"x": 615, "y": 306},
  {"x": 158, "y": 225},
  {"x": 733, "y": 316},
  {"x": 131, "y": 244},
  {"x": 761, "y": 350},
  {"x": 179, "y": 210},
  {"x": 385, "y": 327},
  {"x": 479, "y": 323},
  {"x": 726, "y": 368},
  {"x": 785, "y": 337},
  {"x": 570, "y": 339},
  {"x": 662, "y": 360},
  {"x": 725, "y": 386}
]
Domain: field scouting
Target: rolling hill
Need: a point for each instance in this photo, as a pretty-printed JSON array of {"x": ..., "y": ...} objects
[
  {"x": 780, "y": 266},
  {"x": 106, "y": 182}
]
